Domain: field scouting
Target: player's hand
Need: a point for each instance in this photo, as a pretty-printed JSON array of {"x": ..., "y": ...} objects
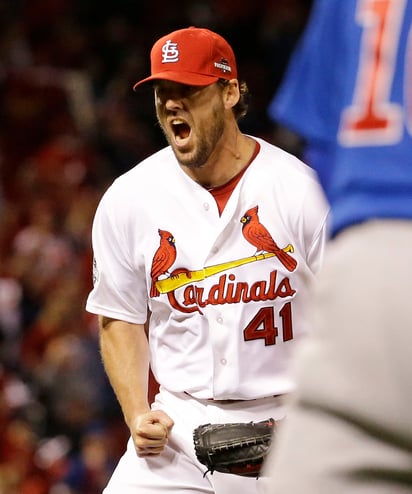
[{"x": 150, "y": 432}]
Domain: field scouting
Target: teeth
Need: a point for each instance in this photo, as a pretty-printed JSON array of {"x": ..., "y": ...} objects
[{"x": 177, "y": 121}]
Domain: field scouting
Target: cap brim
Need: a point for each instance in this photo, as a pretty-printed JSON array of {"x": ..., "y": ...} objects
[{"x": 187, "y": 78}]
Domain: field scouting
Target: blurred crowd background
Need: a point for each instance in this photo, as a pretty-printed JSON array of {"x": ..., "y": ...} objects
[{"x": 69, "y": 124}]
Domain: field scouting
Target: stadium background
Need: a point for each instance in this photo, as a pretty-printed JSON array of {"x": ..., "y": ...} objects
[{"x": 69, "y": 124}]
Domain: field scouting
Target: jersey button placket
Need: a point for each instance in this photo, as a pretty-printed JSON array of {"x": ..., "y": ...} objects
[{"x": 219, "y": 320}]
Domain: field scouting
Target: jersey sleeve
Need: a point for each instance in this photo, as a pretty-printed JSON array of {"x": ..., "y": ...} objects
[
  {"x": 315, "y": 217},
  {"x": 119, "y": 291}
]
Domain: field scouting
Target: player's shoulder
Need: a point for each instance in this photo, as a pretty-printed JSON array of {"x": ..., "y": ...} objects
[
  {"x": 272, "y": 158},
  {"x": 149, "y": 167},
  {"x": 137, "y": 184},
  {"x": 145, "y": 172}
]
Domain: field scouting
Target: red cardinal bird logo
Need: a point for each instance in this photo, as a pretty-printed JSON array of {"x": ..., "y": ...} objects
[
  {"x": 164, "y": 257},
  {"x": 255, "y": 233}
]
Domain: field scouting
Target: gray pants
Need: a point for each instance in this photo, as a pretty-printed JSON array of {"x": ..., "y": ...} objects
[{"x": 349, "y": 429}]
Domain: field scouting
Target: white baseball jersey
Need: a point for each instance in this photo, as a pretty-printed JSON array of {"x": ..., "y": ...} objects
[{"x": 226, "y": 312}]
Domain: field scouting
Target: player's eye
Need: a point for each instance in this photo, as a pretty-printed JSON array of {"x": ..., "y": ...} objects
[{"x": 174, "y": 91}]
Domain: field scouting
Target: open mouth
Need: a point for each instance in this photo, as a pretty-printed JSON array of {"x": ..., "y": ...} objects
[{"x": 181, "y": 131}]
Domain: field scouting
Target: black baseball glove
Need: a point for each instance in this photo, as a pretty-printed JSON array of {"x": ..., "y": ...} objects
[{"x": 237, "y": 448}]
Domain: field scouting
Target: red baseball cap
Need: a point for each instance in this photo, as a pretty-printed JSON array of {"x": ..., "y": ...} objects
[{"x": 192, "y": 56}]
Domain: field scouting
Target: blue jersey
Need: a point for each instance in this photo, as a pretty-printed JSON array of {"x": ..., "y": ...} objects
[{"x": 348, "y": 93}]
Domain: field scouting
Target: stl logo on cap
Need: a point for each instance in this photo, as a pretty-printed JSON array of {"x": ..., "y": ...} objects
[{"x": 170, "y": 53}]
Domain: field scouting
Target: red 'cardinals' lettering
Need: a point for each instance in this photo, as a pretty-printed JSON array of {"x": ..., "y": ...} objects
[
  {"x": 164, "y": 257},
  {"x": 255, "y": 233},
  {"x": 228, "y": 291}
]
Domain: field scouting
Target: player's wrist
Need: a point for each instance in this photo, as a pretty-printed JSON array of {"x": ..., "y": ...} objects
[{"x": 133, "y": 415}]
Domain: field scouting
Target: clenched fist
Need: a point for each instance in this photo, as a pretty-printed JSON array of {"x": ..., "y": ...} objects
[{"x": 150, "y": 432}]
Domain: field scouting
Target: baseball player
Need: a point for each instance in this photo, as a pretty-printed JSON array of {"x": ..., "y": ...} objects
[
  {"x": 350, "y": 429},
  {"x": 217, "y": 237}
]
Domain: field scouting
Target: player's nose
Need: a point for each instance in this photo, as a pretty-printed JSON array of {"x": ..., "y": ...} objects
[{"x": 173, "y": 102}]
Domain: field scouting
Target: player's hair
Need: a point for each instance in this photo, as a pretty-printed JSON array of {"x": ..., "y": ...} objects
[{"x": 241, "y": 107}]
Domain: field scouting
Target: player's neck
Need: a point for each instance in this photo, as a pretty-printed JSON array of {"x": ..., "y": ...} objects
[{"x": 227, "y": 162}]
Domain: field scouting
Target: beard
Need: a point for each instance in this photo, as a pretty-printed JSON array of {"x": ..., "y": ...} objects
[{"x": 206, "y": 139}]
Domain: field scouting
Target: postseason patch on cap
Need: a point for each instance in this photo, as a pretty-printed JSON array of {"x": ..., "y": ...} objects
[{"x": 223, "y": 65}]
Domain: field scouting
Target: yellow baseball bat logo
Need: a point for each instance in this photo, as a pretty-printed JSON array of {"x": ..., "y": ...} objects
[{"x": 176, "y": 281}]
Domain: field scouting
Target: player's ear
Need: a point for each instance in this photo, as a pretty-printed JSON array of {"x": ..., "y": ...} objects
[{"x": 231, "y": 93}]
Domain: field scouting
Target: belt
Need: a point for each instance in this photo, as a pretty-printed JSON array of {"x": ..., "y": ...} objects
[
  {"x": 228, "y": 402},
  {"x": 225, "y": 402}
]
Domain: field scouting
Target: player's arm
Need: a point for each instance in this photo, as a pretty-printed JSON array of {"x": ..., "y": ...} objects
[{"x": 125, "y": 353}]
